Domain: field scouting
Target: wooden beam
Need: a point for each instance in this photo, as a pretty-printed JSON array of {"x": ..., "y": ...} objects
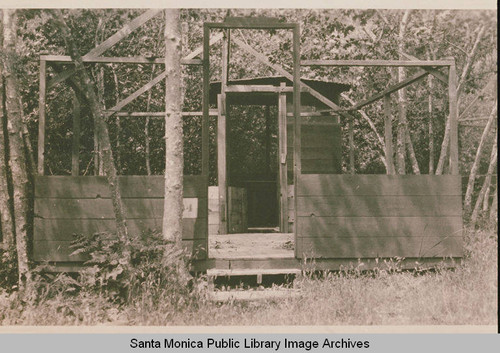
[
  {"x": 213, "y": 112},
  {"x": 389, "y": 154},
  {"x": 257, "y": 88},
  {"x": 283, "y": 170},
  {"x": 297, "y": 170},
  {"x": 136, "y": 94},
  {"x": 391, "y": 89},
  {"x": 116, "y": 60},
  {"x": 250, "y": 23},
  {"x": 199, "y": 50},
  {"x": 108, "y": 43},
  {"x": 385, "y": 63},
  {"x": 41, "y": 117},
  {"x": 263, "y": 59},
  {"x": 205, "y": 102},
  {"x": 75, "y": 150},
  {"x": 123, "y": 33},
  {"x": 453, "y": 109},
  {"x": 434, "y": 72},
  {"x": 221, "y": 164}
]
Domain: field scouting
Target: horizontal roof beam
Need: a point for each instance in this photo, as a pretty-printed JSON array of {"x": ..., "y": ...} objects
[
  {"x": 256, "y": 88},
  {"x": 393, "y": 63},
  {"x": 212, "y": 112},
  {"x": 118, "y": 60}
]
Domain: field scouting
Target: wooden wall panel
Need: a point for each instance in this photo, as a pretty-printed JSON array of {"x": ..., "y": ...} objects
[
  {"x": 377, "y": 247},
  {"x": 68, "y": 205},
  {"x": 366, "y": 216}
]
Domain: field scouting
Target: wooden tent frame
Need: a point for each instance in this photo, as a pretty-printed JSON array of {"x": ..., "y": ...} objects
[{"x": 94, "y": 56}]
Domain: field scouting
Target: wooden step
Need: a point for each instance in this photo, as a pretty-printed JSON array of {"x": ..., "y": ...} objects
[
  {"x": 245, "y": 295},
  {"x": 216, "y": 272}
]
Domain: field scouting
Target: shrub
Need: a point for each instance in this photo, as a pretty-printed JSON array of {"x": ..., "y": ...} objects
[{"x": 157, "y": 268}]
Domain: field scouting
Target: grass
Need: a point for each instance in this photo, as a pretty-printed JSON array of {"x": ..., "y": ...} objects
[{"x": 466, "y": 295}]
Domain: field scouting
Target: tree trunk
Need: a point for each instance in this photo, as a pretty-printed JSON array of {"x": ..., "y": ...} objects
[
  {"x": 430, "y": 109},
  {"x": 475, "y": 165},
  {"x": 174, "y": 159},
  {"x": 494, "y": 206},
  {"x": 118, "y": 124},
  {"x": 5, "y": 208},
  {"x": 17, "y": 156},
  {"x": 486, "y": 185},
  {"x": 401, "y": 133},
  {"x": 84, "y": 81},
  {"x": 463, "y": 77},
  {"x": 411, "y": 153}
]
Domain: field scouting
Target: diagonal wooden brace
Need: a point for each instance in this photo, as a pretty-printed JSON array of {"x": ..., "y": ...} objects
[
  {"x": 108, "y": 43},
  {"x": 434, "y": 72},
  {"x": 263, "y": 59}
]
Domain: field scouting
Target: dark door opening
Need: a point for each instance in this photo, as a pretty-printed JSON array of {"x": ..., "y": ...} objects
[{"x": 252, "y": 165}]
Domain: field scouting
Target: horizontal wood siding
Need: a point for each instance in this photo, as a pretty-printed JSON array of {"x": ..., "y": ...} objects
[
  {"x": 321, "y": 147},
  {"x": 367, "y": 216},
  {"x": 66, "y": 206}
]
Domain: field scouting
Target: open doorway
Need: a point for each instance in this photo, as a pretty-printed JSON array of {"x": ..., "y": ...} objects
[{"x": 252, "y": 168}]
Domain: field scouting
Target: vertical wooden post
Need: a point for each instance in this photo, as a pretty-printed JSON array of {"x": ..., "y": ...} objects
[
  {"x": 222, "y": 139},
  {"x": 453, "y": 109},
  {"x": 297, "y": 125},
  {"x": 75, "y": 151},
  {"x": 389, "y": 153},
  {"x": 351, "y": 147},
  {"x": 41, "y": 117},
  {"x": 268, "y": 139},
  {"x": 205, "y": 101},
  {"x": 221, "y": 163},
  {"x": 283, "y": 170}
]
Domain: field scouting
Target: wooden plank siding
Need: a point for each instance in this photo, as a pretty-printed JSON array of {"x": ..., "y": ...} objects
[
  {"x": 66, "y": 206},
  {"x": 370, "y": 216},
  {"x": 321, "y": 148}
]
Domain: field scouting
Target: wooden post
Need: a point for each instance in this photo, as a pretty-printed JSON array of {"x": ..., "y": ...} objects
[
  {"x": 351, "y": 147},
  {"x": 283, "y": 178},
  {"x": 75, "y": 151},
  {"x": 205, "y": 101},
  {"x": 389, "y": 153},
  {"x": 221, "y": 137},
  {"x": 41, "y": 118},
  {"x": 221, "y": 163},
  {"x": 268, "y": 139},
  {"x": 453, "y": 108},
  {"x": 297, "y": 125}
]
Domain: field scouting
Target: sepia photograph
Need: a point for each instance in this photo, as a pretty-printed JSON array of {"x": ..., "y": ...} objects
[{"x": 248, "y": 167}]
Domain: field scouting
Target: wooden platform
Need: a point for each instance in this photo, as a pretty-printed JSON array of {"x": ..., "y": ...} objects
[{"x": 251, "y": 246}]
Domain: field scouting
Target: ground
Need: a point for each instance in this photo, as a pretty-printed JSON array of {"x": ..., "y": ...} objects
[{"x": 465, "y": 295}]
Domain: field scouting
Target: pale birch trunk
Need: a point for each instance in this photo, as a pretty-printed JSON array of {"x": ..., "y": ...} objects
[
  {"x": 174, "y": 159},
  {"x": 17, "y": 156},
  {"x": 477, "y": 159}
]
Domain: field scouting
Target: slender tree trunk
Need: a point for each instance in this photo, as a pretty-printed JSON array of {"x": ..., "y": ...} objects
[
  {"x": 84, "y": 81},
  {"x": 17, "y": 156},
  {"x": 118, "y": 124},
  {"x": 494, "y": 206},
  {"x": 374, "y": 129},
  {"x": 430, "y": 109},
  {"x": 401, "y": 132},
  {"x": 475, "y": 165},
  {"x": 174, "y": 159},
  {"x": 486, "y": 185},
  {"x": 411, "y": 153},
  {"x": 5, "y": 208},
  {"x": 465, "y": 72}
]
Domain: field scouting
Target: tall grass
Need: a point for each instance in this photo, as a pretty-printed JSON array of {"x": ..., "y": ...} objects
[{"x": 465, "y": 295}]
